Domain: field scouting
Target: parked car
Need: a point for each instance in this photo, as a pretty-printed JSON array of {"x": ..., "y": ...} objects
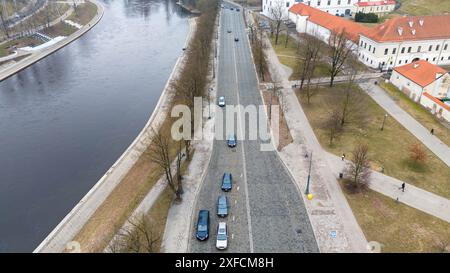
[
  {"x": 237, "y": 9},
  {"x": 222, "y": 236},
  {"x": 231, "y": 8},
  {"x": 221, "y": 102},
  {"x": 236, "y": 39},
  {"x": 229, "y": 31},
  {"x": 231, "y": 141},
  {"x": 203, "y": 225},
  {"x": 227, "y": 182},
  {"x": 222, "y": 206}
]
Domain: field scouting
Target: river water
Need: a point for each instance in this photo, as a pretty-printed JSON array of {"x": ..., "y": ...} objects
[{"x": 66, "y": 119}]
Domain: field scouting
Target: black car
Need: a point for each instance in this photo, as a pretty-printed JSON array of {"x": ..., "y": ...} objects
[
  {"x": 229, "y": 31},
  {"x": 236, "y": 39},
  {"x": 231, "y": 8},
  {"x": 237, "y": 9},
  {"x": 227, "y": 182},
  {"x": 203, "y": 225}
]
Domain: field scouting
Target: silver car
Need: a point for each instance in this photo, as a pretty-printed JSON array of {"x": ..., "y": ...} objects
[
  {"x": 222, "y": 236},
  {"x": 221, "y": 101}
]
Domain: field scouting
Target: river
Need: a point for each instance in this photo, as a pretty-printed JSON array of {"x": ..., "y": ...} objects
[{"x": 66, "y": 119}]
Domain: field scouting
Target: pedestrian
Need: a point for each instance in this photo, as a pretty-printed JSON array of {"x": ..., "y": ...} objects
[
  {"x": 403, "y": 186},
  {"x": 343, "y": 157},
  {"x": 432, "y": 131}
]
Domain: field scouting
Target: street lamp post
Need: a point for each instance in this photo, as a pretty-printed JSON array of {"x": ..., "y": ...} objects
[
  {"x": 309, "y": 175},
  {"x": 209, "y": 103},
  {"x": 384, "y": 120}
]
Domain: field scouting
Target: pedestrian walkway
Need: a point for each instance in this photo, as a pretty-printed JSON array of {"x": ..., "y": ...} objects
[
  {"x": 433, "y": 143},
  {"x": 329, "y": 212},
  {"x": 413, "y": 196},
  {"x": 340, "y": 79}
]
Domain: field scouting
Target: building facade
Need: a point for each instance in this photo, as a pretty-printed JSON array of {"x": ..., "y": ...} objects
[
  {"x": 402, "y": 40},
  {"x": 426, "y": 84},
  {"x": 378, "y": 7}
]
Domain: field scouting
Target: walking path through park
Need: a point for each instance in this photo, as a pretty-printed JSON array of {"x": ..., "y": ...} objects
[
  {"x": 433, "y": 143},
  {"x": 302, "y": 132}
]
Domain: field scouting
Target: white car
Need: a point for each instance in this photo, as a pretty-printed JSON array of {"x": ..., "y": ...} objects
[
  {"x": 222, "y": 101},
  {"x": 222, "y": 236}
]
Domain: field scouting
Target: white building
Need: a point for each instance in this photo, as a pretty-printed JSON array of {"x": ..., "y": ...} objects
[
  {"x": 378, "y": 7},
  {"x": 320, "y": 23},
  {"x": 334, "y": 7},
  {"x": 426, "y": 84},
  {"x": 402, "y": 40}
]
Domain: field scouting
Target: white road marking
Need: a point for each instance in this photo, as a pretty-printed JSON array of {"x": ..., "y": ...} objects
[{"x": 249, "y": 220}]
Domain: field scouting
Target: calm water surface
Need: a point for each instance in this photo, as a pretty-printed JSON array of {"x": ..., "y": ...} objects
[{"x": 65, "y": 120}]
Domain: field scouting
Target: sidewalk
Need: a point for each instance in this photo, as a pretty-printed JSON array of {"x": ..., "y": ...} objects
[
  {"x": 413, "y": 196},
  {"x": 329, "y": 212},
  {"x": 433, "y": 143}
]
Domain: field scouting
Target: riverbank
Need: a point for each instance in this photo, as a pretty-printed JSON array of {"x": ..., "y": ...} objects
[
  {"x": 37, "y": 56},
  {"x": 72, "y": 225}
]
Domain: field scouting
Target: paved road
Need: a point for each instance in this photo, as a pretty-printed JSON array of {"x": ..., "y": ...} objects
[{"x": 267, "y": 213}]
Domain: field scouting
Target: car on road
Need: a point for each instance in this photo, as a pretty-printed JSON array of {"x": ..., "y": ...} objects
[
  {"x": 231, "y": 141},
  {"x": 227, "y": 182},
  {"x": 221, "y": 102},
  {"x": 236, "y": 39},
  {"x": 222, "y": 236},
  {"x": 229, "y": 31},
  {"x": 203, "y": 225},
  {"x": 222, "y": 206},
  {"x": 231, "y": 8}
]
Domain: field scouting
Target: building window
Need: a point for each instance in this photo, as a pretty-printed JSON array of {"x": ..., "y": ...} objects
[
  {"x": 370, "y": 47},
  {"x": 419, "y": 49},
  {"x": 349, "y": 2},
  {"x": 430, "y": 48},
  {"x": 403, "y": 50},
  {"x": 318, "y": 3},
  {"x": 329, "y": 2},
  {"x": 386, "y": 51},
  {"x": 448, "y": 57},
  {"x": 437, "y": 47},
  {"x": 434, "y": 59},
  {"x": 442, "y": 58},
  {"x": 400, "y": 62},
  {"x": 287, "y": 4},
  {"x": 394, "y": 50},
  {"x": 373, "y": 51},
  {"x": 446, "y": 46},
  {"x": 339, "y": 2},
  {"x": 409, "y": 49}
]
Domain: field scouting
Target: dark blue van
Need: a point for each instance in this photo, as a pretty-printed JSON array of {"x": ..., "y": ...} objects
[{"x": 203, "y": 225}]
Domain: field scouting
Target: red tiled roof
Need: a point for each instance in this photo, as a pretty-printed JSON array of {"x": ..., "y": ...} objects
[
  {"x": 375, "y": 3},
  {"x": 421, "y": 72},
  {"x": 329, "y": 21},
  {"x": 445, "y": 106},
  {"x": 432, "y": 27}
]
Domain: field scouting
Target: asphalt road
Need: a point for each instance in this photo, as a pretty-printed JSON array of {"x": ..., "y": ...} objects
[{"x": 266, "y": 214}]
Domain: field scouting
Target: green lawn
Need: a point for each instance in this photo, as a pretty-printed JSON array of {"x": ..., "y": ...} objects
[
  {"x": 423, "y": 7},
  {"x": 419, "y": 113},
  {"x": 398, "y": 227},
  {"x": 389, "y": 148},
  {"x": 84, "y": 13},
  {"x": 290, "y": 57}
]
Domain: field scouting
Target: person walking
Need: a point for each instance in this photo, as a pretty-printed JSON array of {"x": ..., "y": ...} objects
[
  {"x": 403, "y": 187},
  {"x": 432, "y": 131},
  {"x": 343, "y": 157}
]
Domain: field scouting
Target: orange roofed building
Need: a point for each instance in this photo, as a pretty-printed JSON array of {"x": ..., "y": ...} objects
[
  {"x": 425, "y": 83},
  {"x": 396, "y": 42}
]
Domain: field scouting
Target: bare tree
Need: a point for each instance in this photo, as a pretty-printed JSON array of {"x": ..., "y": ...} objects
[
  {"x": 137, "y": 237},
  {"x": 259, "y": 54},
  {"x": 308, "y": 57},
  {"x": 332, "y": 125},
  {"x": 359, "y": 169},
  {"x": 274, "y": 89},
  {"x": 418, "y": 154},
  {"x": 3, "y": 15},
  {"x": 278, "y": 15},
  {"x": 340, "y": 49},
  {"x": 352, "y": 103},
  {"x": 159, "y": 153}
]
